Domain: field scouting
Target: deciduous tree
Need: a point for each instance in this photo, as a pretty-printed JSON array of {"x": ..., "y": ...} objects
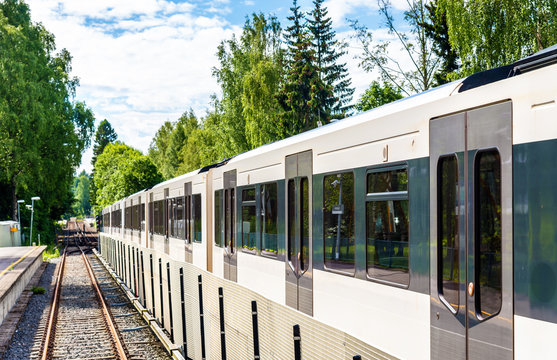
[
  {"x": 121, "y": 171},
  {"x": 412, "y": 38},
  {"x": 491, "y": 33},
  {"x": 377, "y": 95},
  {"x": 43, "y": 130}
]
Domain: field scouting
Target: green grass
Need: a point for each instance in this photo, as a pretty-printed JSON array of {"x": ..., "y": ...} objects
[
  {"x": 37, "y": 290},
  {"x": 51, "y": 252}
]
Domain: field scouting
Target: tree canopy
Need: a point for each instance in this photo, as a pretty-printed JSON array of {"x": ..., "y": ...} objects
[
  {"x": 496, "y": 32},
  {"x": 82, "y": 205},
  {"x": 423, "y": 63},
  {"x": 121, "y": 171},
  {"x": 377, "y": 95},
  {"x": 43, "y": 129}
]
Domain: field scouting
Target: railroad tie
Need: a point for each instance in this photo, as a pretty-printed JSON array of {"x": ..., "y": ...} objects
[{"x": 135, "y": 328}]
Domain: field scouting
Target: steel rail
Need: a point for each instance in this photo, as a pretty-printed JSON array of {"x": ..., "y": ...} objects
[
  {"x": 48, "y": 338},
  {"x": 107, "y": 317},
  {"x": 49, "y": 335}
]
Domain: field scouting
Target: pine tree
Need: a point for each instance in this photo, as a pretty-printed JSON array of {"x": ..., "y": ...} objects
[
  {"x": 338, "y": 93},
  {"x": 302, "y": 89}
]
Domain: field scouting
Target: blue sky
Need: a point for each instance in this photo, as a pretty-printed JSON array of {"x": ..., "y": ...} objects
[{"x": 143, "y": 62}]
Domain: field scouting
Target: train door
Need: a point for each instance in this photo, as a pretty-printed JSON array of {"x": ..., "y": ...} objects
[
  {"x": 471, "y": 234},
  {"x": 299, "y": 275},
  {"x": 188, "y": 223},
  {"x": 230, "y": 251}
]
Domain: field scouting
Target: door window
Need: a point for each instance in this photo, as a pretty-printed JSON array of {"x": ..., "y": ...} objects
[
  {"x": 447, "y": 232},
  {"x": 487, "y": 235}
]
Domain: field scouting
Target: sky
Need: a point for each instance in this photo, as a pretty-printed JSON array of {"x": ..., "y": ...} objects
[{"x": 143, "y": 62}]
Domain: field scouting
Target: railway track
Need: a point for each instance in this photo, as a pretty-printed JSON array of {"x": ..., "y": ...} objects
[{"x": 80, "y": 325}]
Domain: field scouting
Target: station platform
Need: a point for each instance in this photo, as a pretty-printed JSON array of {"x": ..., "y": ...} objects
[{"x": 17, "y": 266}]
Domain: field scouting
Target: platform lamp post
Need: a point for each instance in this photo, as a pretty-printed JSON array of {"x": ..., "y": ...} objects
[
  {"x": 18, "y": 214},
  {"x": 32, "y": 211}
]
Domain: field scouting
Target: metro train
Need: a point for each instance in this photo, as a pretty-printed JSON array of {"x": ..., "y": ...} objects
[{"x": 426, "y": 228}]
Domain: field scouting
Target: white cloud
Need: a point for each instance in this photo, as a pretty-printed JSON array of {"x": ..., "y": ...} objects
[
  {"x": 140, "y": 62},
  {"x": 339, "y": 10}
]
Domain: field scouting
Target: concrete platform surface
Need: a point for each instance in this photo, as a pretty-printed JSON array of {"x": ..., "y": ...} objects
[
  {"x": 9, "y": 257},
  {"x": 17, "y": 266}
]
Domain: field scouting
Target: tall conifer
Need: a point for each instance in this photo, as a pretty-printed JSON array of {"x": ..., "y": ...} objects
[
  {"x": 338, "y": 93},
  {"x": 300, "y": 93}
]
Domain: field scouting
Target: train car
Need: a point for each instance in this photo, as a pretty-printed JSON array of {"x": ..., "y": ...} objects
[{"x": 421, "y": 229}]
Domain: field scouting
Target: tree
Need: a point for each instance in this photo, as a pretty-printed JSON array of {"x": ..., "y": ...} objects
[
  {"x": 104, "y": 135},
  {"x": 328, "y": 51},
  {"x": 261, "y": 44},
  {"x": 167, "y": 144},
  {"x": 121, "y": 171},
  {"x": 415, "y": 44},
  {"x": 82, "y": 205},
  {"x": 498, "y": 33},
  {"x": 158, "y": 146},
  {"x": 302, "y": 90},
  {"x": 377, "y": 95},
  {"x": 250, "y": 73},
  {"x": 43, "y": 131},
  {"x": 437, "y": 30}
]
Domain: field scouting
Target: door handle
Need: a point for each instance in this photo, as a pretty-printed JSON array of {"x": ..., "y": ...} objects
[{"x": 471, "y": 289}]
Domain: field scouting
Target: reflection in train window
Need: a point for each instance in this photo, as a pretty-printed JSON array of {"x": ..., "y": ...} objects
[
  {"x": 269, "y": 219},
  {"x": 248, "y": 220},
  {"x": 338, "y": 222},
  {"x": 196, "y": 200},
  {"x": 487, "y": 232},
  {"x": 447, "y": 231},
  {"x": 387, "y": 225},
  {"x": 176, "y": 217},
  {"x": 291, "y": 219},
  {"x": 304, "y": 217},
  {"x": 218, "y": 218}
]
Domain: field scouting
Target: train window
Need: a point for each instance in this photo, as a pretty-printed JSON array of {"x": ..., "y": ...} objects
[
  {"x": 179, "y": 217},
  {"x": 218, "y": 218},
  {"x": 158, "y": 217},
  {"x": 291, "y": 219},
  {"x": 176, "y": 217},
  {"x": 304, "y": 253},
  {"x": 151, "y": 216},
  {"x": 142, "y": 217},
  {"x": 487, "y": 232},
  {"x": 127, "y": 218},
  {"x": 229, "y": 233},
  {"x": 447, "y": 232},
  {"x": 269, "y": 219},
  {"x": 188, "y": 220},
  {"x": 338, "y": 222},
  {"x": 387, "y": 225},
  {"x": 171, "y": 208},
  {"x": 196, "y": 199},
  {"x": 248, "y": 220}
]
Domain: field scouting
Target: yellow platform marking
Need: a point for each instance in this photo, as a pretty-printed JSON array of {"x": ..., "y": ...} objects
[{"x": 17, "y": 262}]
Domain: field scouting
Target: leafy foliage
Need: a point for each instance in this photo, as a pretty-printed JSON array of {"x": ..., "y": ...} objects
[
  {"x": 81, "y": 191},
  {"x": 415, "y": 43},
  {"x": 250, "y": 73},
  {"x": 437, "y": 30},
  {"x": 377, "y": 95},
  {"x": 498, "y": 33},
  {"x": 42, "y": 130},
  {"x": 121, "y": 171}
]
